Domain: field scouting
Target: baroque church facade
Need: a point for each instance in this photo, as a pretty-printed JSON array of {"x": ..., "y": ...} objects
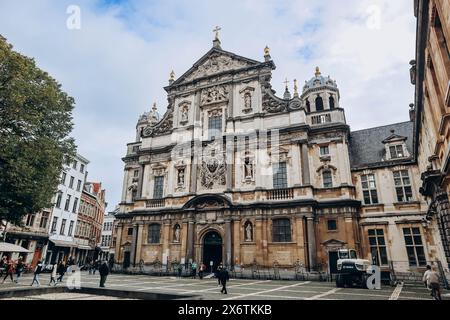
[{"x": 233, "y": 173}]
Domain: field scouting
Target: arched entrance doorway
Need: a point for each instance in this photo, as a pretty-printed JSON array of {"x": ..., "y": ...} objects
[{"x": 212, "y": 250}]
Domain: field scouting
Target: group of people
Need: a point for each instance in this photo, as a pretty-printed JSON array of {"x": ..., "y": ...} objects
[
  {"x": 221, "y": 273},
  {"x": 8, "y": 268}
]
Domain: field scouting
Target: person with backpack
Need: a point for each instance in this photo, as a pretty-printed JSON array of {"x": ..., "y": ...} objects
[
  {"x": 19, "y": 269},
  {"x": 224, "y": 277},
  {"x": 104, "y": 271},
  {"x": 9, "y": 270},
  {"x": 53, "y": 275},
  {"x": 37, "y": 272}
]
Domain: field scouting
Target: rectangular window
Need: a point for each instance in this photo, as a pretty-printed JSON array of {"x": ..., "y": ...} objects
[
  {"x": 130, "y": 231},
  {"x": 369, "y": 189},
  {"x": 154, "y": 232},
  {"x": 63, "y": 178},
  {"x": 324, "y": 151},
  {"x": 63, "y": 227},
  {"x": 79, "y": 185},
  {"x": 58, "y": 200},
  {"x": 70, "y": 228},
  {"x": 158, "y": 191},
  {"x": 280, "y": 176},
  {"x": 414, "y": 247},
  {"x": 82, "y": 168},
  {"x": 332, "y": 225},
  {"x": 71, "y": 182},
  {"x": 136, "y": 173},
  {"x": 214, "y": 127},
  {"x": 75, "y": 164},
  {"x": 54, "y": 224},
  {"x": 281, "y": 230},
  {"x": 30, "y": 220},
  {"x": 378, "y": 247},
  {"x": 327, "y": 179},
  {"x": 75, "y": 203},
  {"x": 66, "y": 207},
  {"x": 44, "y": 220},
  {"x": 403, "y": 186},
  {"x": 396, "y": 152}
]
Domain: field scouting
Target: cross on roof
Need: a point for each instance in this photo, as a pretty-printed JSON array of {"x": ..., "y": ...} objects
[
  {"x": 216, "y": 30},
  {"x": 286, "y": 82}
]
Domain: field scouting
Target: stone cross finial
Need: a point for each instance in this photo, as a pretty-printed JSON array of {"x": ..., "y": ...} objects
[
  {"x": 286, "y": 82},
  {"x": 216, "y": 30}
]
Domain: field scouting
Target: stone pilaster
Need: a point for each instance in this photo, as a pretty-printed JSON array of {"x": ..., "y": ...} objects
[
  {"x": 133, "y": 245},
  {"x": 306, "y": 176},
  {"x": 139, "y": 242},
  {"x": 190, "y": 241},
  {"x": 311, "y": 242},
  {"x": 228, "y": 242}
]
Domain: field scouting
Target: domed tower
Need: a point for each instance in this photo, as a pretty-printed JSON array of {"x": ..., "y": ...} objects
[
  {"x": 320, "y": 93},
  {"x": 147, "y": 119}
]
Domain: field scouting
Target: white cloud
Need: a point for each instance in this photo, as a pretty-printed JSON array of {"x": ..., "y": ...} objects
[{"x": 119, "y": 62}]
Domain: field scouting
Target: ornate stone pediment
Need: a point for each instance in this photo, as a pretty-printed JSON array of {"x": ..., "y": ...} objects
[{"x": 216, "y": 61}]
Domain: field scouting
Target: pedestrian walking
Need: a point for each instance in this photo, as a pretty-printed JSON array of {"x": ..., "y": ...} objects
[
  {"x": 3, "y": 265},
  {"x": 96, "y": 266},
  {"x": 194, "y": 270},
  {"x": 217, "y": 274},
  {"x": 201, "y": 270},
  {"x": 91, "y": 266},
  {"x": 104, "y": 271},
  {"x": 180, "y": 270},
  {"x": 224, "y": 277},
  {"x": 53, "y": 275},
  {"x": 61, "y": 270},
  {"x": 19, "y": 269},
  {"x": 431, "y": 277},
  {"x": 9, "y": 270},
  {"x": 37, "y": 272}
]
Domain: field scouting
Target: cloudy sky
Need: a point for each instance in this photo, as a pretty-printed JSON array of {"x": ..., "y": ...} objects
[{"x": 116, "y": 64}]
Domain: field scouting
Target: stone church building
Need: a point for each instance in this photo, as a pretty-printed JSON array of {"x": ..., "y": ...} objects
[{"x": 234, "y": 173}]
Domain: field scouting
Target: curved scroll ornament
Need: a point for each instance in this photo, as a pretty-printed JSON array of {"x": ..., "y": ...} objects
[
  {"x": 213, "y": 170},
  {"x": 272, "y": 104},
  {"x": 163, "y": 127}
]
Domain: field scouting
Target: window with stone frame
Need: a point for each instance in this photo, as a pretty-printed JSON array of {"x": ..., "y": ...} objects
[
  {"x": 58, "y": 200},
  {"x": 327, "y": 178},
  {"x": 44, "y": 219},
  {"x": 75, "y": 164},
  {"x": 79, "y": 185},
  {"x": 397, "y": 151},
  {"x": 154, "y": 233},
  {"x": 130, "y": 231},
  {"x": 214, "y": 127},
  {"x": 66, "y": 206},
  {"x": 332, "y": 103},
  {"x": 308, "y": 106},
  {"x": 319, "y": 104},
  {"x": 280, "y": 176},
  {"x": 324, "y": 151},
  {"x": 158, "y": 190},
  {"x": 332, "y": 225},
  {"x": 444, "y": 48},
  {"x": 377, "y": 245},
  {"x": 369, "y": 188},
  {"x": 63, "y": 227},
  {"x": 69, "y": 233},
  {"x": 54, "y": 224},
  {"x": 281, "y": 230},
  {"x": 414, "y": 247},
  {"x": 30, "y": 220},
  {"x": 71, "y": 182},
  {"x": 63, "y": 178},
  {"x": 403, "y": 186},
  {"x": 75, "y": 203}
]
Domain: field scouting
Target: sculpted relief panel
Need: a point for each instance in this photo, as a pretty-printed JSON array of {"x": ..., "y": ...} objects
[
  {"x": 215, "y": 64},
  {"x": 214, "y": 94},
  {"x": 213, "y": 168}
]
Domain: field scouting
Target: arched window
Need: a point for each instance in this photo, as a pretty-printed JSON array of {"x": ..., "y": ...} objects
[
  {"x": 281, "y": 230},
  {"x": 319, "y": 104},
  {"x": 308, "y": 106},
  {"x": 327, "y": 179},
  {"x": 154, "y": 233},
  {"x": 332, "y": 106}
]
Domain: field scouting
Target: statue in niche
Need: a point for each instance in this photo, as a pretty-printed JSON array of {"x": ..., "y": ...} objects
[
  {"x": 248, "y": 232},
  {"x": 185, "y": 115},
  {"x": 247, "y": 101},
  {"x": 176, "y": 234},
  {"x": 248, "y": 166},
  {"x": 181, "y": 177}
]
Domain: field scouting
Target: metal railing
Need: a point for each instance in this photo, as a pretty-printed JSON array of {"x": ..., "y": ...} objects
[{"x": 404, "y": 272}]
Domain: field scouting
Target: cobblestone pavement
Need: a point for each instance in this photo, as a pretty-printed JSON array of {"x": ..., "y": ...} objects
[{"x": 238, "y": 289}]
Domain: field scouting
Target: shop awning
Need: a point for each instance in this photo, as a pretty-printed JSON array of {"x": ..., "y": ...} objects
[
  {"x": 60, "y": 243},
  {"x": 9, "y": 247}
]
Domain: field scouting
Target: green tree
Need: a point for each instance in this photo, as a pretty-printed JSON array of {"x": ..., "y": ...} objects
[{"x": 35, "y": 123}]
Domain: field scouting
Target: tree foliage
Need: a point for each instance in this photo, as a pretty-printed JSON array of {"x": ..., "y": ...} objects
[{"x": 35, "y": 123}]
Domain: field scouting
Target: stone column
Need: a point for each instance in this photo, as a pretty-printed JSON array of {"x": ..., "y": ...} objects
[
  {"x": 117, "y": 256},
  {"x": 139, "y": 240},
  {"x": 228, "y": 243},
  {"x": 133, "y": 245},
  {"x": 311, "y": 242},
  {"x": 141, "y": 182},
  {"x": 190, "y": 241},
  {"x": 229, "y": 156},
  {"x": 306, "y": 176},
  {"x": 194, "y": 166},
  {"x": 166, "y": 242}
]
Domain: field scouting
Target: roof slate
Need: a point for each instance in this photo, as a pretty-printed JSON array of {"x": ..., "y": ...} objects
[{"x": 367, "y": 148}]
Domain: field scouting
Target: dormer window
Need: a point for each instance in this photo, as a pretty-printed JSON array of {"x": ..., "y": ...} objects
[{"x": 397, "y": 152}]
